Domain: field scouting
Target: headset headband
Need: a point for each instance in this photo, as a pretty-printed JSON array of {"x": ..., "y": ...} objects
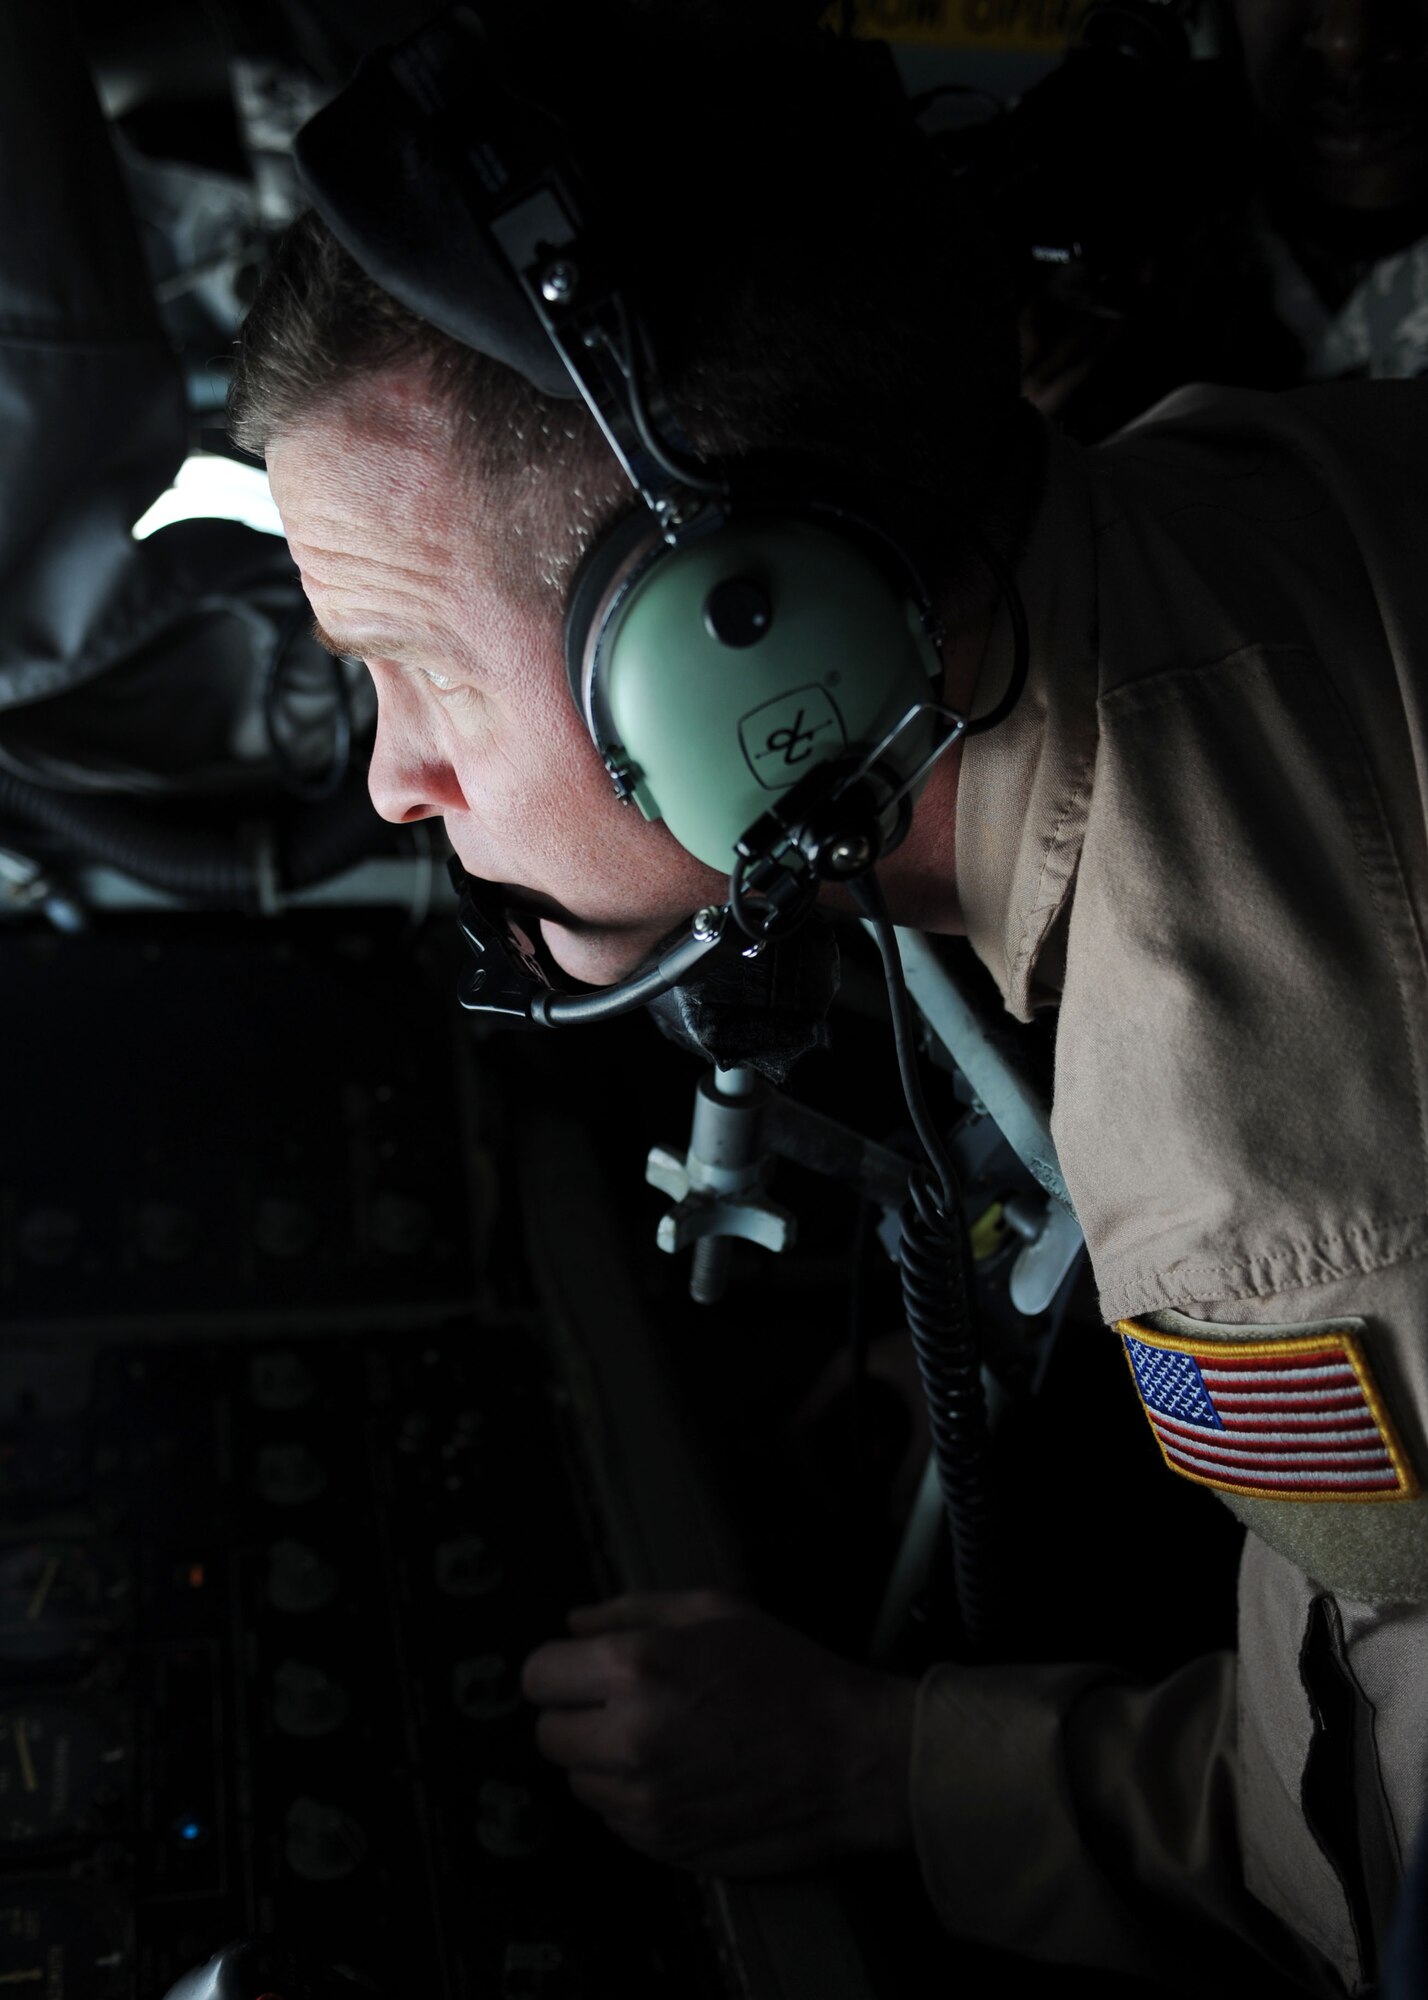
[{"x": 496, "y": 247}]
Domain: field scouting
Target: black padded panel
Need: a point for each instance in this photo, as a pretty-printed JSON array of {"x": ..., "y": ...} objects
[{"x": 369, "y": 164}]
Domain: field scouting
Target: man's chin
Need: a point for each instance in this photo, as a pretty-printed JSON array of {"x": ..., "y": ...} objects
[{"x": 599, "y": 958}]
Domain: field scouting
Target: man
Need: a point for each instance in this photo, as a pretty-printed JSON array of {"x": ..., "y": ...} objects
[
  {"x": 1339, "y": 90},
  {"x": 1200, "y": 836},
  {"x": 1315, "y": 271}
]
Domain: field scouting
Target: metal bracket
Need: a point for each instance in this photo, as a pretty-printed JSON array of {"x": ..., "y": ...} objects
[
  {"x": 1052, "y": 1242},
  {"x": 717, "y": 1185}
]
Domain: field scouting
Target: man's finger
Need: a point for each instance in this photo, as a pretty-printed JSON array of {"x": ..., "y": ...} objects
[
  {"x": 584, "y": 1740},
  {"x": 569, "y": 1673},
  {"x": 637, "y": 1609}
]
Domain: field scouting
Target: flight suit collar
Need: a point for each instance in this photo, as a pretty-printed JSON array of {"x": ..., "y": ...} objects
[{"x": 1025, "y": 786}]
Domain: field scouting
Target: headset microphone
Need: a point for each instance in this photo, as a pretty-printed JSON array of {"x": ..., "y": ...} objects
[{"x": 513, "y": 973}]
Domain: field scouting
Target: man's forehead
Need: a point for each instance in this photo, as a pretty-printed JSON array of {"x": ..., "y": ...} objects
[
  {"x": 376, "y": 437},
  {"x": 398, "y": 406},
  {"x": 370, "y": 481}
]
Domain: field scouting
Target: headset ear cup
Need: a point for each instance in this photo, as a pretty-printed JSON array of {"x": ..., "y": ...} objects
[{"x": 599, "y": 567}]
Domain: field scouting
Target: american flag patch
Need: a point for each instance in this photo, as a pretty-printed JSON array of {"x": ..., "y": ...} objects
[{"x": 1291, "y": 1418}]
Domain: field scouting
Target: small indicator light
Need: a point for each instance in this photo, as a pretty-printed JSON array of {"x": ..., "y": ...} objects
[{"x": 195, "y": 1576}]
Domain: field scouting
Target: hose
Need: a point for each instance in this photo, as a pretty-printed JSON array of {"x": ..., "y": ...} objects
[{"x": 216, "y": 868}]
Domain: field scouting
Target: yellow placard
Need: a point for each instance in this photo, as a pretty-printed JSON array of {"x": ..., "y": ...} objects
[{"x": 1040, "y": 27}]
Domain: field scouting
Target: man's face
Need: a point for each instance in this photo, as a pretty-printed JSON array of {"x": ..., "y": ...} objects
[
  {"x": 475, "y": 721},
  {"x": 1341, "y": 87}
]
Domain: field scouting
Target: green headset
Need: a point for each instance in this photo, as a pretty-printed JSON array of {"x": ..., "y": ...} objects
[
  {"x": 719, "y": 666},
  {"x": 754, "y": 654}
]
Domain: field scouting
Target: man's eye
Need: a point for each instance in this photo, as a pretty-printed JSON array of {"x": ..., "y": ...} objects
[{"x": 437, "y": 680}]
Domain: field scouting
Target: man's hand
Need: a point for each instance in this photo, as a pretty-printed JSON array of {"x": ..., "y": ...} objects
[{"x": 705, "y": 1733}]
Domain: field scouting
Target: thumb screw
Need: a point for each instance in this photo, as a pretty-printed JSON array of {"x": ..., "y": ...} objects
[{"x": 709, "y": 1275}]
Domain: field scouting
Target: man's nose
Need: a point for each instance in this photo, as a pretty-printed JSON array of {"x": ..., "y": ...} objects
[{"x": 410, "y": 776}]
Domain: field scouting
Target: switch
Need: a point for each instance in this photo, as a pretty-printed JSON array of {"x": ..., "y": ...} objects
[
  {"x": 401, "y": 1227},
  {"x": 509, "y": 1822},
  {"x": 48, "y": 1237},
  {"x": 299, "y": 1579},
  {"x": 289, "y": 1475},
  {"x": 539, "y": 1972},
  {"x": 465, "y": 1567},
  {"x": 306, "y": 1701},
  {"x": 281, "y": 1380},
  {"x": 285, "y": 1228},
  {"x": 167, "y": 1233},
  {"x": 321, "y": 1842},
  {"x": 485, "y": 1688}
]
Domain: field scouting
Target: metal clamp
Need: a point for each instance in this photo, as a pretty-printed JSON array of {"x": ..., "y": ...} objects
[
  {"x": 717, "y": 1185},
  {"x": 956, "y": 726}
]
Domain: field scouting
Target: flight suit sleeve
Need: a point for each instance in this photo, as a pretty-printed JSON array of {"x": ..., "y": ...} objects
[{"x": 1065, "y": 1814}]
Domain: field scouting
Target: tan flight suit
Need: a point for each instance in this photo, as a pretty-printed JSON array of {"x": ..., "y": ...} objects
[{"x": 1202, "y": 837}]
